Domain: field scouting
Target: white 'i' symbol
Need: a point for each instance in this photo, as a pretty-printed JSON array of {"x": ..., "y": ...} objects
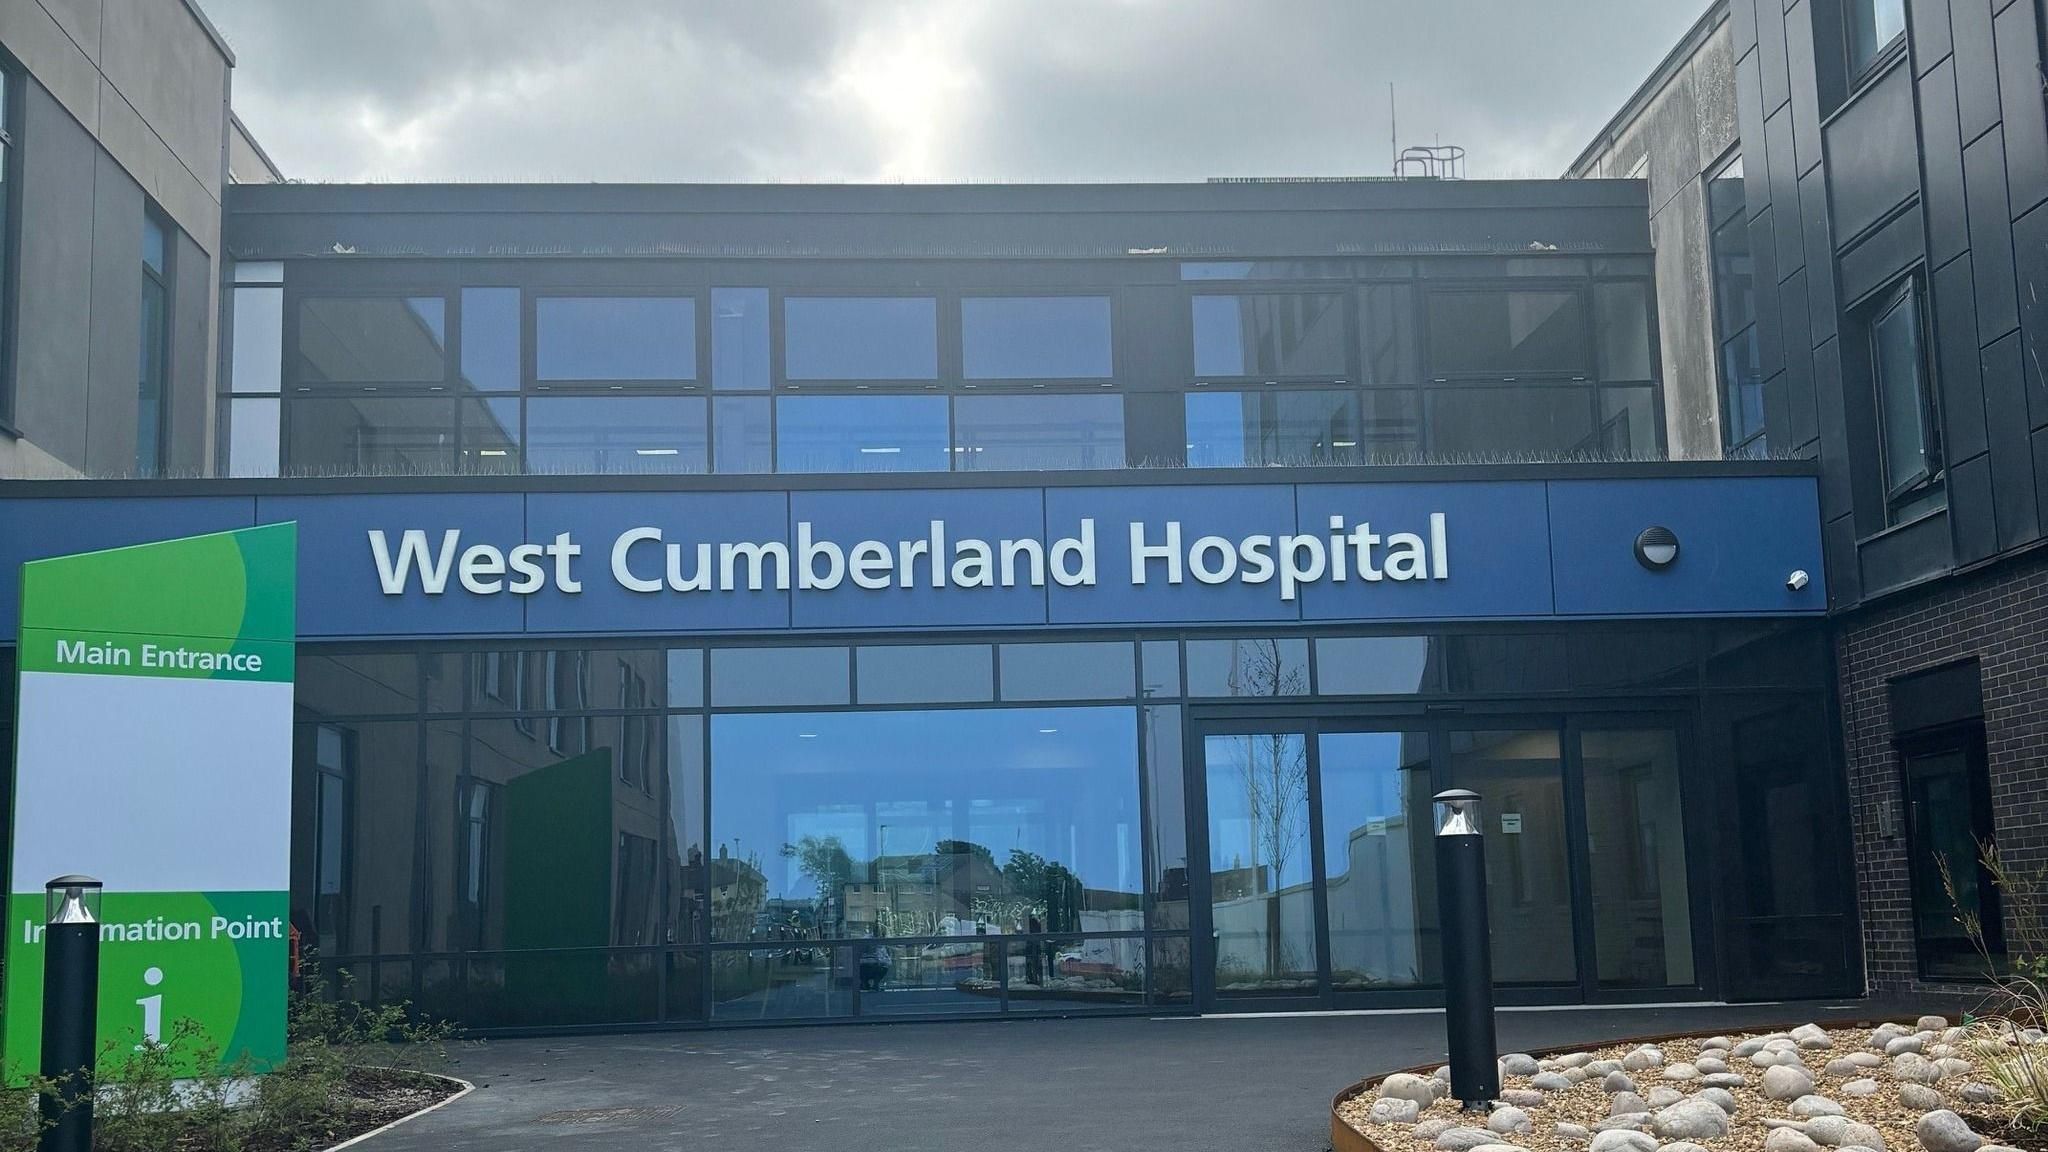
[{"x": 152, "y": 1011}]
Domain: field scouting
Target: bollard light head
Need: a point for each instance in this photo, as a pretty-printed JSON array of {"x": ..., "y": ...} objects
[
  {"x": 71, "y": 900},
  {"x": 1457, "y": 812}
]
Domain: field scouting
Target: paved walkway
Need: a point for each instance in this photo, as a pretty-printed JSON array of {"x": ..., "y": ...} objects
[{"x": 1077, "y": 1085}]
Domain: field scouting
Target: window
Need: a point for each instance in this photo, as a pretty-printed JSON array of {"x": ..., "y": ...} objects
[
  {"x": 1541, "y": 422},
  {"x": 1520, "y": 333},
  {"x": 1040, "y": 432},
  {"x": 861, "y": 434},
  {"x": 1948, "y": 826},
  {"x": 615, "y": 338},
  {"x": 1874, "y": 26},
  {"x": 490, "y": 339},
  {"x": 1275, "y": 336},
  {"x": 9, "y": 98},
  {"x": 1256, "y": 429},
  {"x": 1035, "y": 338},
  {"x": 1742, "y": 386},
  {"x": 154, "y": 353},
  {"x": 741, "y": 440},
  {"x": 254, "y": 414},
  {"x": 609, "y": 435},
  {"x": 860, "y": 338},
  {"x": 372, "y": 340},
  {"x": 1910, "y": 439},
  {"x": 739, "y": 339},
  {"x": 1622, "y": 321},
  {"x": 371, "y": 436}
]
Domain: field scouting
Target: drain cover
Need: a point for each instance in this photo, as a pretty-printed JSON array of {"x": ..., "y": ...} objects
[{"x": 606, "y": 1115}]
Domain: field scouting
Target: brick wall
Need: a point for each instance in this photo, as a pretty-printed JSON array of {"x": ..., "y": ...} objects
[{"x": 1999, "y": 616}]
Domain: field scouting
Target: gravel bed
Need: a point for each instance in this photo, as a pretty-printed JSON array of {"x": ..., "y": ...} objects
[{"x": 1839, "y": 1089}]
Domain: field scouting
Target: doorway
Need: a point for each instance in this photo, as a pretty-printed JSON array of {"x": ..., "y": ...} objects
[{"x": 1319, "y": 886}]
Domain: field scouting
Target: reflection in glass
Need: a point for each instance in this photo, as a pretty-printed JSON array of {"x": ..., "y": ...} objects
[
  {"x": 1379, "y": 859},
  {"x": 1171, "y": 975},
  {"x": 1482, "y": 424},
  {"x": 1256, "y": 429},
  {"x": 614, "y": 435},
  {"x": 949, "y": 978},
  {"x": 490, "y": 436},
  {"x": 254, "y": 435},
  {"x": 862, "y": 434},
  {"x": 1260, "y": 887},
  {"x": 372, "y": 340},
  {"x": 1249, "y": 667},
  {"x": 758, "y": 677},
  {"x": 1387, "y": 324},
  {"x": 1056, "y": 974},
  {"x": 684, "y": 870},
  {"x": 1166, "y": 788},
  {"x": 1074, "y": 671},
  {"x": 1376, "y": 665},
  {"x": 1035, "y": 337},
  {"x": 1038, "y": 433},
  {"x": 1520, "y": 775},
  {"x": 1785, "y": 912},
  {"x": 1635, "y": 831},
  {"x": 860, "y": 338},
  {"x": 1160, "y": 662},
  {"x": 552, "y": 989},
  {"x": 371, "y": 436},
  {"x": 791, "y": 981},
  {"x": 739, "y": 339},
  {"x": 1874, "y": 24},
  {"x": 1390, "y": 426},
  {"x": 346, "y": 683},
  {"x": 1629, "y": 426},
  {"x": 1511, "y": 333},
  {"x": 960, "y": 822},
  {"x": 926, "y": 674},
  {"x": 349, "y": 896},
  {"x": 490, "y": 339},
  {"x": 1742, "y": 391},
  {"x": 1622, "y": 320},
  {"x": 1271, "y": 336},
  {"x": 615, "y": 338},
  {"x": 742, "y": 442}
]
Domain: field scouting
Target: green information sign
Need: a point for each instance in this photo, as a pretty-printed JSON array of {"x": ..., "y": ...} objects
[{"x": 153, "y": 751}]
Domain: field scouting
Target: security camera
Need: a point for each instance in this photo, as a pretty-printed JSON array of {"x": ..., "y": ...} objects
[{"x": 1797, "y": 581}]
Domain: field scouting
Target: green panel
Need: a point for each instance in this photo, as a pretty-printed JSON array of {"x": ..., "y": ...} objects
[
  {"x": 155, "y": 654},
  {"x": 200, "y": 586},
  {"x": 558, "y": 869}
]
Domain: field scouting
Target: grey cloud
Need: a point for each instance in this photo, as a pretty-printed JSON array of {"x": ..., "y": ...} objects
[{"x": 928, "y": 89}]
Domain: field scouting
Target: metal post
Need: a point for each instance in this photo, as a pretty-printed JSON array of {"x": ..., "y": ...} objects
[
  {"x": 71, "y": 982},
  {"x": 1468, "y": 960}
]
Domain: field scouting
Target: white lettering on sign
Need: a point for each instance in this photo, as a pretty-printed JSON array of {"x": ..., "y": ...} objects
[{"x": 644, "y": 560}]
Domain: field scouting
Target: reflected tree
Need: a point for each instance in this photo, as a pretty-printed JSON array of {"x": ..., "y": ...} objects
[{"x": 1273, "y": 768}]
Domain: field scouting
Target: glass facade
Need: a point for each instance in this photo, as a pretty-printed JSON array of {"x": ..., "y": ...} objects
[
  {"x": 543, "y": 837},
  {"x": 1017, "y": 366}
]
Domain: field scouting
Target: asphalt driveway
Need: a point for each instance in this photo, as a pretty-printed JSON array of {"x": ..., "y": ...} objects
[{"x": 1075, "y": 1085}]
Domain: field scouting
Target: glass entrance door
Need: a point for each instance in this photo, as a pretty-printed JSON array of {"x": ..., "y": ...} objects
[{"x": 1319, "y": 888}]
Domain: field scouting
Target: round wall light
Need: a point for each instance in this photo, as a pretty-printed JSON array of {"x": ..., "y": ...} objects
[{"x": 1656, "y": 548}]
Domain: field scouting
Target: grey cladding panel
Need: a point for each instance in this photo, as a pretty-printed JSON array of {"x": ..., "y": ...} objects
[
  {"x": 1941, "y": 141},
  {"x": 1976, "y": 65},
  {"x": 1821, "y": 302},
  {"x": 1957, "y": 366},
  {"x": 2012, "y": 454},
  {"x": 2030, "y": 246},
  {"x": 55, "y": 265},
  {"x": 2024, "y": 104},
  {"x": 1770, "y": 50},
  {"x": 1785, "y": 193},
  {"x": 1873, "y": 155},
  {"x": 1970, "y": 509},
  {"x": 112, "y": 394},
  {"x": 1749, "y": 114},
  {"x": 1929, "y": 32},
  {"x": 1799, "y": 35},
  {"x": 191, "y": 389},
  {"x": 1990, "y": 237},
  {"x": 1906, "y": 554}
]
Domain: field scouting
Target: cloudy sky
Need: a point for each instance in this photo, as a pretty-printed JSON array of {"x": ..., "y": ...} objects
[{"x": 928, "y": 90}]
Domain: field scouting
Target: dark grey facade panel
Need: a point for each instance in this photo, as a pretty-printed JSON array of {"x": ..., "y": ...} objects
[
  {"x": 1957, "y": 366},
  {"x": 2024, "y": 104},
  {"x": 1742, "y": 25},
  {"x": 1976, "y": 65},
  {"x": 1845, "y": 578},
  {"x": 2041, "y": 467},
  {"x": 1879, "y": 259},
  {"x": 1775, "y": 76},
  {"x": 1941, "y": 162},
  {"x": 192, "y": 292},
  {"x": 54, "y": 275},
  {"x": 1837, "y": 488},
  {"x": 1770, "y": 326},
  {"x": 1784, "y": 192},
  {"x": 1142, "y": 366},
  {"x": 1827, "y": 396},
  {"x": 1908, "y": 554},
  {"x": 1874, "y": 158},
  {"x": 112, "y": 394},
  {"x": 1820, "y": 254},
  {"x": 1970, "y": 509},
  {"x": 1800, "y": 416},
  {"x": 1929, "y": 33},
  {"x": 2030, "y": 249},
  {"x": 2012, "y": 456},
  {"x": 1799, "y": 39},
  {"x": 1998, "y": 308}
]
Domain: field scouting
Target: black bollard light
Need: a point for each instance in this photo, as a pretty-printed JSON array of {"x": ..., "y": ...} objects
[
  {"x": 71, "y": 987},
  {"x": 1468, "y": 958}
]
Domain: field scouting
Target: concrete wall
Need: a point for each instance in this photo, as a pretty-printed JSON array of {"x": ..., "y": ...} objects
[
  {"x": 1673, "y": 133},
  {"x": 123, "y": 104}
]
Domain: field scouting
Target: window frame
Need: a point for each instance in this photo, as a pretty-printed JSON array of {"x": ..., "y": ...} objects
[
  {"x": 530, "y": 381},
  {"x": 1862, "y": 69},
  {"x": 1907, "y": 291},
  {"x": 955, "y": 304},
  {"x": 945, "y": 340},
  {"x": 1349, "y": 302},
  {"x": 157, "y": 281}
]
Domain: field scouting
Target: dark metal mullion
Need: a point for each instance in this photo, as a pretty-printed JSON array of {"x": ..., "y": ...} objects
[
  {"x": 1578, "y": 859},
  {"x": 1318, "y": 877}
]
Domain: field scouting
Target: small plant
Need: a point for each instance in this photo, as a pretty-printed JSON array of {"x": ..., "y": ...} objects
[{"x": 2005, "y": 1037}]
